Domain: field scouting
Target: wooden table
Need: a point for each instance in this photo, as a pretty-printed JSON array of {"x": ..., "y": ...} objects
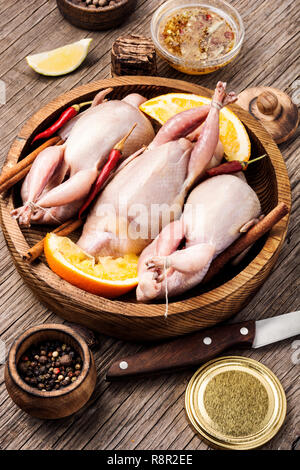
[{"x": 145, "y": 414}]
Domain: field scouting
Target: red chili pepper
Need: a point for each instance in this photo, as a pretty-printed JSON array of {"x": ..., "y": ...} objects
[
  {"x": 231, "y": 167},
  {"x": 66, "y": 116},
  {"x": 225, "y": 168},
  {"x": 113, "y": 159}
]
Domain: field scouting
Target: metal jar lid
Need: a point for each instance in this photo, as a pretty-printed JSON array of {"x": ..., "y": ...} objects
[{"x": 235, "y": 402}]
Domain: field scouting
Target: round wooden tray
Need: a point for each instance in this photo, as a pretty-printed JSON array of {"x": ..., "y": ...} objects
[{"x": 126, "y": 318}]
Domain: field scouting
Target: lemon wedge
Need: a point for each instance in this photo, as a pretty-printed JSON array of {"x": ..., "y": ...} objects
[
  {"x": 60, "y": 61},
  {"x": 233, "y": 134}
]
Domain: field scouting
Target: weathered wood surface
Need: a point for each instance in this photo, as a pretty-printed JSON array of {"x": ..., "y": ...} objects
[{"x": 145, "y": 414}]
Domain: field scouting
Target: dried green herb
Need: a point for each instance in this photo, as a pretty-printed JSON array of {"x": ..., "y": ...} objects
[{"x": 236, "y": 402}]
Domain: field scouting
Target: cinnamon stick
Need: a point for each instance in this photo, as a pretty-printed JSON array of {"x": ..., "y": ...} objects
[
  {"x": 13, "y": 175},
  {"x": 63, "y": 230},
  {"x": 246, "y": 240}
]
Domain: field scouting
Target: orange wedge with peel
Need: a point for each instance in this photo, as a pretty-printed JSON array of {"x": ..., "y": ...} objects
[
  {"x": 233, "y": 134},
  {"x": 107, "y": 276}
]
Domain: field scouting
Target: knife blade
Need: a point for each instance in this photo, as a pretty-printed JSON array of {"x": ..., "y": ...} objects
[{"x": 204, "y": 345}]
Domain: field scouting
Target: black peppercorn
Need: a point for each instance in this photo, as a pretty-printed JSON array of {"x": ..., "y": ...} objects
[
  {"x": 23, "y": 368},
  {"x": 65, "y": 360},
  {"x": 43, "y": 359}
]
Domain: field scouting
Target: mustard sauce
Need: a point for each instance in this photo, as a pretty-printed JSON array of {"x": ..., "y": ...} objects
[{"x": 196, "y": 34}]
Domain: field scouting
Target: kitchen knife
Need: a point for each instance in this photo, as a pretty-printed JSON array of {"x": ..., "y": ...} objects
[{"x": 204, "y": 345}]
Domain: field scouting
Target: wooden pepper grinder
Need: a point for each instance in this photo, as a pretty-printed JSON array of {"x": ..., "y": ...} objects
[{"x": 273, "y": 108}]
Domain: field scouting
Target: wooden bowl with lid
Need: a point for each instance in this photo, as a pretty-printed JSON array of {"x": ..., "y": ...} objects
[
  {"x": 88, "y": 16},
  {"x": 56, "y": 403},
  {"x": 201, "y": 307}
]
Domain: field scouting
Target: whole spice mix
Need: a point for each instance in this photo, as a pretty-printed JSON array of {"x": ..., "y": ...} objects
[
  {"x": 50, "y": 365},
  {"x": 100, "y": 3}
]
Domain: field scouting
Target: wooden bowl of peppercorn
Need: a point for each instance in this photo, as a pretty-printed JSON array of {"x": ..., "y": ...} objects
[
  {"x": 37, "y": 389},
  {"x": 96, "y": 14}
]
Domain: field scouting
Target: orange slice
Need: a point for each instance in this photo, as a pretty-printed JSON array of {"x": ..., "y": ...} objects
[
  {"x": 233, "y": 134},
  {"x": 107, "y": 276}
]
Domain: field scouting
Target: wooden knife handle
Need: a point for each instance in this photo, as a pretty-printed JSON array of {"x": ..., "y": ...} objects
[{"x": 184, "y": 352}]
